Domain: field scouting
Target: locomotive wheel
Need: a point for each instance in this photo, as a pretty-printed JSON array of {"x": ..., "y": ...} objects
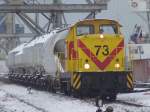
[
  {"x": 111, "y": 97},
  {"x": 75, "y": 94},
  {"x": 53, "y": 89},
  {"x": 68, "y": 93}
]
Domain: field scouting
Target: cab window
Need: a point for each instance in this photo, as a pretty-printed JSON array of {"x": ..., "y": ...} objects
[
  {"x": 85, "y": 29},
  {"x": 108, "y": 29}
]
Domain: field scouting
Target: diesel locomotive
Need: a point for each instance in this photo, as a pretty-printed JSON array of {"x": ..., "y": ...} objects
[{"x": 86, "y": 59}]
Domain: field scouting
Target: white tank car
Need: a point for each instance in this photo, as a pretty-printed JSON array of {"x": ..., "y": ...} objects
[
  {"x": 11, "y": 59},
  {"x": 39, "y": 53}
]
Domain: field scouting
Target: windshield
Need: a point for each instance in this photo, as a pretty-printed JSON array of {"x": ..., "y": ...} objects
[
  {"x": 85, "y": 29},
  {"x": 108, "y": 29}
]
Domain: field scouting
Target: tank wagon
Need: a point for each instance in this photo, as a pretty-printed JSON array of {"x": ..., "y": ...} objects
[{"x": 86, "y": 59}]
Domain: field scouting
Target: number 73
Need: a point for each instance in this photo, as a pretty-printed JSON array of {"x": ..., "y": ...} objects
[{"x": 104, "y": 48}]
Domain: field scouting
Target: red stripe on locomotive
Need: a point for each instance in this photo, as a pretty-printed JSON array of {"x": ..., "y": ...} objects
[
  {"x": 106, "y": 62},
  {"x": 72, "y": 52}
]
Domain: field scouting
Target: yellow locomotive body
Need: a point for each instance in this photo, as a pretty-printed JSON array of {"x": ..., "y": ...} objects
[{"x": 96, "y": 58}]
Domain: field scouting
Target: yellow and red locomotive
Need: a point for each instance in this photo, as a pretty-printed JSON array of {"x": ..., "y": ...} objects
[
  {"x": 96, "y": 58},
  {"x": 86, "y": 59}
]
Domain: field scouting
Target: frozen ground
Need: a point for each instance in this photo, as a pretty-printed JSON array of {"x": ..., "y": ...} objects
[{"x": 14, "y": 98}]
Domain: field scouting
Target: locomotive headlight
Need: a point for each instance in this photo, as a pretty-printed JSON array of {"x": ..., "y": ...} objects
[
  {"x": 86, "y": 66},
  {"x": 101, "y": 36},
  {"x": 117, "y": 65}
]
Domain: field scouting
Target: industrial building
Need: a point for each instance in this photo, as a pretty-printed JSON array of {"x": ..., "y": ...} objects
[{"x": 140, "y": 59}]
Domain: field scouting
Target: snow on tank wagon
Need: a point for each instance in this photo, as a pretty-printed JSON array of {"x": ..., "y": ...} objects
[{"x": 85, "y": 59}]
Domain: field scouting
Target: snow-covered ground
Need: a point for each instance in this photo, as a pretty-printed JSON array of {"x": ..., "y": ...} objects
[
  {"x": 15, "y": 98},
  {"x": 140, "y": 98}
]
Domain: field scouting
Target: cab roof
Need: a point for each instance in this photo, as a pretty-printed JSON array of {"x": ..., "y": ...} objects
[{"x": 96, "y": 20}]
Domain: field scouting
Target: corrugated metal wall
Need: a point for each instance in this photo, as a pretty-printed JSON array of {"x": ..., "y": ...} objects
[{"x": 141, "y": 70}]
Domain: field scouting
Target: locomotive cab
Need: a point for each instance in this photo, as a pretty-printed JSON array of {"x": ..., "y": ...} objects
[
  {"x": 96, "y": 58},
  {"x": 95, "y": 40}
]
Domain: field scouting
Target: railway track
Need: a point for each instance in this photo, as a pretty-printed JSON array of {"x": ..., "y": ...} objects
[
  {"x": 127, "y": 103},
  {"x": 121, "y": 102},
  {"x": 3, "y": 109},
  {"x": 139, "y": 85},
  {"x": 138, "y": 91}
]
